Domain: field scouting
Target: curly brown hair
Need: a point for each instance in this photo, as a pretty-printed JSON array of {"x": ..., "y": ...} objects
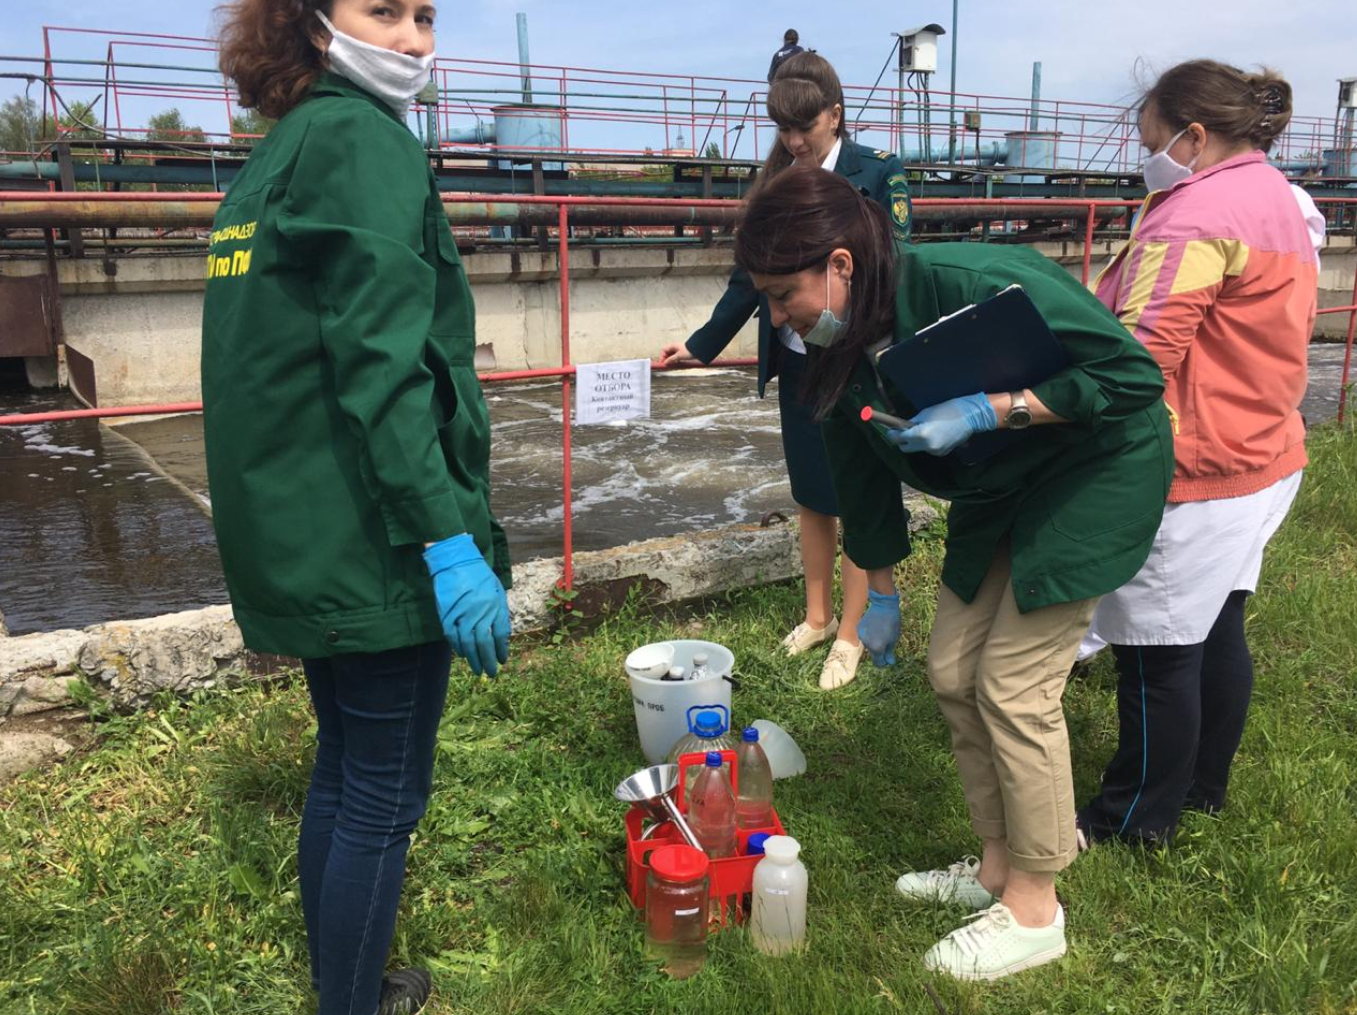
[{"x": 266, "y": 48}]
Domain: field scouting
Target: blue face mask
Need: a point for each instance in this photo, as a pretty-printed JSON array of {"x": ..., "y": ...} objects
[{"x": 828, "y": 328}]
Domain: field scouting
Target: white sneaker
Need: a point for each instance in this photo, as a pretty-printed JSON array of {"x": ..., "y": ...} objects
[
  {"x": 805, "y": 637},
  {"x": 841, "y": 666},
  {"x": 995, "y": 945},
  {"x": 958, "y": 883}
]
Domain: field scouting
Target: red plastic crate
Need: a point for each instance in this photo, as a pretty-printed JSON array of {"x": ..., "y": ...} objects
[{"x": 731, "y": 878}]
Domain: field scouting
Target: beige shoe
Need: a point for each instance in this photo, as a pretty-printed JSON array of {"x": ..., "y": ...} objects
[
  {"x": 841, "y": 666},
  {"x": 804, "y": 637}
]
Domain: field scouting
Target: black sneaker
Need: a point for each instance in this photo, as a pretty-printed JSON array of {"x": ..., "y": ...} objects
[{"x": 404, "y": 992}]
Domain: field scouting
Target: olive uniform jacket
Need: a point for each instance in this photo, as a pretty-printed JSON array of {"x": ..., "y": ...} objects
[
  {"x": 877, "y": 175},
  {"x": 344, "y": 423},
  {"x": 1079, "y": 502}
]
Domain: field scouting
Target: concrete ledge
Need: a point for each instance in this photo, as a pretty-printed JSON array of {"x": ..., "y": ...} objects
[{"x": 131, "y": 661}]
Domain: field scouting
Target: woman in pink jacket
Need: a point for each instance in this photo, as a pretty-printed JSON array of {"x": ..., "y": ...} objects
[{"x": 1219, "y": 280}]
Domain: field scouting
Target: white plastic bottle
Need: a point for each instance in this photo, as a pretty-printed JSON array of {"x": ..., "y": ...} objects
[{"x": 780, "y": 882}]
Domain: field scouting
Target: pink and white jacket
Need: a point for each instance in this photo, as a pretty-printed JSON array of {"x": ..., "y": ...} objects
[{"x": 1220, "y": 282}]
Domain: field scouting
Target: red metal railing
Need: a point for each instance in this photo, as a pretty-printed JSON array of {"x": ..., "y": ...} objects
[
  {"x": 628, "y": 112},
  {"x": 566, "y": 370}
]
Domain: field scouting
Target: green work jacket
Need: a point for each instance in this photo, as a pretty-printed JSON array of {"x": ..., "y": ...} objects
[
  {"x": 877, "y": 175},
  {"x": 1079, "y": 502},
  {"x": 345, "y": 426}
]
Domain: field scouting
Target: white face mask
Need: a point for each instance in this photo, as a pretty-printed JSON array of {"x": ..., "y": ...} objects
[
  {"x": 392, "y": 77},
  {"x": 828, "y": 327},
  {"x": 1162, "y": 171}
]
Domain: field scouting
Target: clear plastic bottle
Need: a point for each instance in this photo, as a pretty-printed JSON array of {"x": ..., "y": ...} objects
[
  {"x": 754, "y": 803},
  {"x": 699, "y": 670},
  {"x": 778, "y": 925},
  {"x": 676, "y": 909},
  {"x": 711, "y": 810},
  {"x": 707, "y": 731}
]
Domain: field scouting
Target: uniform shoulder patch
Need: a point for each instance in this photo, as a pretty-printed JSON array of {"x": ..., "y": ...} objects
[
  {"x": 901, "y": 214},
  {"x": 879, "y": 154}
]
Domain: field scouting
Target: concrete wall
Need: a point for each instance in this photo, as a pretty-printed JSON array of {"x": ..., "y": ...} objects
[{"x": 141, "y": 325}]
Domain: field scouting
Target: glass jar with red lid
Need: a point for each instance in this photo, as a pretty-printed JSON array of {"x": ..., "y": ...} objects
[{"x": 677, "y": 889}]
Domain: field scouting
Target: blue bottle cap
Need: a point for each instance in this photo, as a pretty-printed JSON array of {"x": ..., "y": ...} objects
[
  {"x": 714, "y": 759},
  {"x": 756, "y": 841},
  {"x": 750, "y": 735},
  {"x": 709, "y": 725}
]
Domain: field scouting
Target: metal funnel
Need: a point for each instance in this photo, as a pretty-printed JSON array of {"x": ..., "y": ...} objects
[{"x": 652, "y": 789}]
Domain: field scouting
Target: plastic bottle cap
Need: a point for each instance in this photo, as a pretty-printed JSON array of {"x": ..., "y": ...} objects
[
  {"x": 679, "y": 863},
  {"x": 750, "y": 735},
  {"x": 782, "y": 848},
  {"x": 708, "y": 725},
  {"x": 700, "y": 659},
  {"x": 714, "y": 759},
  {"x": 756, "y": 843}
]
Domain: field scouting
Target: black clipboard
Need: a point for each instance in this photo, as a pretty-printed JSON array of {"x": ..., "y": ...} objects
[{"x": 1000, "y": 344}]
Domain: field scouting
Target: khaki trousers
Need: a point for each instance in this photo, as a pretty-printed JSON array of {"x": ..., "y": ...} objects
[{"x": 999, "y": 676}]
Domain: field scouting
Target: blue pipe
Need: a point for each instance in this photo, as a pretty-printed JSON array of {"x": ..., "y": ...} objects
[
  {"x": 995, "y": 154},
  {"x": 482, "y": 133}
]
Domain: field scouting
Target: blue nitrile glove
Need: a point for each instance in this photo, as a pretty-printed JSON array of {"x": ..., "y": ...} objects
[
  {"x": 943, "y": 427},
  {"x": 471, "y": 603},
  {"x": 879, "y": 628},
  {"x": 503, "y": 626}
]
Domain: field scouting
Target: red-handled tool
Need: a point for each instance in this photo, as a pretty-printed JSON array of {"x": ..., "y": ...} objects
[{"x": 870, "y": 415}]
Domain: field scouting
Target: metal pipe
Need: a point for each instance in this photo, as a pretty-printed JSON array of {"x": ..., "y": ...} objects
[
  {"x": 995, "y": 154},
  {"x": 568, "y": 578},
  {"x": 40, "y": 214},
  {"x": 1347, "y": 356},
  {"x": 1088, "y": 244},
  {"x": 1035, "y": 118},
  {"x": 190, "y": 211},
  {"x": 951, "y": 131},
  {"x": 524, "y": 64},
  {"x": 482, "y": 133}
]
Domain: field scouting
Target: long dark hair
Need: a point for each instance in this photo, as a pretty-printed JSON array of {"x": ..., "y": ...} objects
[
  {"x": 806, "y": 85},
  {"x": 1247, "y": 109},
  {"x": 795, "y": 223}
]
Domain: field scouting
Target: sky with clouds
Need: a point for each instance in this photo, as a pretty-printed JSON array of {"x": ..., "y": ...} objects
[{"x": 1089, "y": 51}]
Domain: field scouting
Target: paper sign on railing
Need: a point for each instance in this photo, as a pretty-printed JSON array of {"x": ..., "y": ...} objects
[{"x": 608, "y": 392}]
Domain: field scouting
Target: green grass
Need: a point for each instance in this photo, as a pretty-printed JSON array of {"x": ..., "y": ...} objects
[{"x": 156, "y": 872}]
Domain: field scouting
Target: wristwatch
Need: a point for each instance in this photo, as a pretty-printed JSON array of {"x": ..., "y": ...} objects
[{"x": 1019, "y": 415}]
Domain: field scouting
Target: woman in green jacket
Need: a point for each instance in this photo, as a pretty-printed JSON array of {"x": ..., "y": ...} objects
[
  {"x": 348, "y": 447},
  {"x": 806, "y": 103},
  {"x": 1036, "y": 533}
]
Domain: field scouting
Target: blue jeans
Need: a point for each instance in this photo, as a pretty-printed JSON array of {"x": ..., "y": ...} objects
[{"x": 378, "y": 719}]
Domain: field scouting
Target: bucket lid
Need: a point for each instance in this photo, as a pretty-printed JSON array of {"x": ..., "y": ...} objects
[
  {"x": 750, "y": 735},
  {"x": 781, "y": 848},
  {"x": 679, "y": 863},
  {"x": 708, "y": 725},
  {"x": 756, "y": 843}
]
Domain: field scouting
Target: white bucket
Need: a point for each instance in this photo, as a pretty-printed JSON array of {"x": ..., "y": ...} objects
[{"x": 662, "y": 705}]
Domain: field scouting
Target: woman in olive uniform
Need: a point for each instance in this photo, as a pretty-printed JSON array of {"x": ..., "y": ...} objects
[
  {"x": 806, "y": 103},
  {"x": 1036, "y": 533},
  {"x": 348, "y": 448}
]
